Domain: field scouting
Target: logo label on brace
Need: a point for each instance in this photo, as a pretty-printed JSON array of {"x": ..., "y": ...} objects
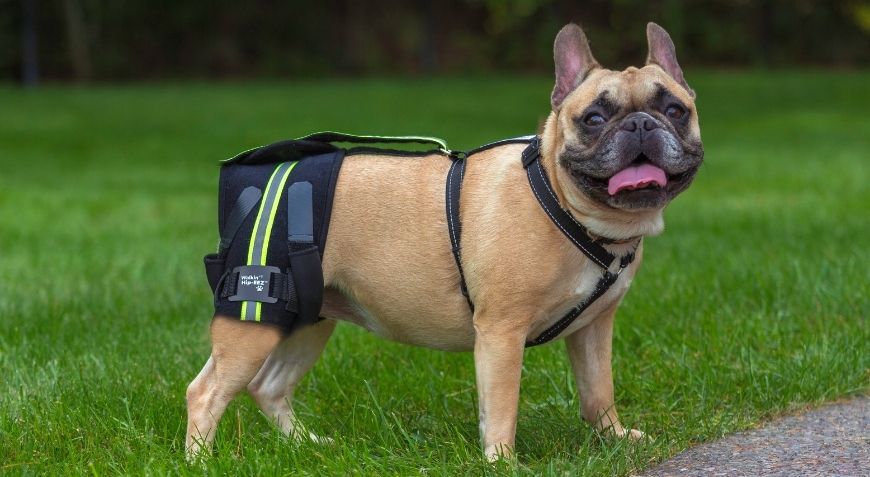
[
  {"x": 260, "y": 282},
  {"x": 253, "y": 283}
]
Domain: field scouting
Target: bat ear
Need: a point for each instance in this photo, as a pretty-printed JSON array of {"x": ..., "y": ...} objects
[
  {"x": 663, "y": 54},
  {"x": 573, "y": 60}
]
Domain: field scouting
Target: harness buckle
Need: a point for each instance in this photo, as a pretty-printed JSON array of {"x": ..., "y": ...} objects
[
  {"x": 253, "y": 283},
  {"x": 531, "y": 152},
  {"x": 457, "y": 155}
]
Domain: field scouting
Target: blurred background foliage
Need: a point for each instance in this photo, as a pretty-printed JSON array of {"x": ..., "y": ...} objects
[{"x": 109, "y": 40}]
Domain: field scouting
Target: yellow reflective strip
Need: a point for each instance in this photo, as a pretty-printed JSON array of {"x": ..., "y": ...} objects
[
  {"x": 273, "y": 212},
  {"x": 259, "y": 215},
  {"x": 261, "y": 260},
  {"x": 244, "y": 312},
  {"x": 268, "y": 235}
]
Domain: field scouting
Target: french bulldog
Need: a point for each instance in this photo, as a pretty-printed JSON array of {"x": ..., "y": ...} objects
[{"x": 617, "y": 147}]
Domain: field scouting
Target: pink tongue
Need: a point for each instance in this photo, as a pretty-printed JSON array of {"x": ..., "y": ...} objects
[{"x": 636, "y": 177}]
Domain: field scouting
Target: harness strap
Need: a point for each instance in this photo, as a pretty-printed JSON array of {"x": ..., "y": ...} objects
[
  {"x": 306, "y": 271},
  {"x": 576, "y": 233},
  {"x": 330, "y": 136},
  {"x": 454, "y": 225},
  {"x": 564, "y": 221},
  {"x": 453, "y": 189},
  {"x": 604, "y": 284},
  {"x": 502, "y": 142},
  {"x": 321, "y": 143}
]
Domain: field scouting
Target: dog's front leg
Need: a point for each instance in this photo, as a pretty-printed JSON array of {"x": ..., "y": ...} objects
[
  {"x": 498, "y": 361},
  {"x": 589, "y": 350}
]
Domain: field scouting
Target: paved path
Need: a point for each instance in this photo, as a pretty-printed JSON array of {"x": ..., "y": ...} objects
[{"x": 831, "y": 441}]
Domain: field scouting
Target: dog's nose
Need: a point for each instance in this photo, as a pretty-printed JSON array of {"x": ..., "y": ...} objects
[{"x": 635, "y": 121}]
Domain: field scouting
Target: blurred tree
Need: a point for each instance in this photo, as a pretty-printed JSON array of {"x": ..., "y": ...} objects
[
  {"x": 141, "y": 39},
  {"x": 29, "y": 44},
  {"x": 428, "y": 45},
  {"x": 80, "y": 57},
  {"x": 860, "y": 12}
]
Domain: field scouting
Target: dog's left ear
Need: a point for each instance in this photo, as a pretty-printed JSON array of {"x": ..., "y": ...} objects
[
  {"x": 663, "y": 54},
  {"x": 573, "y": 60}
]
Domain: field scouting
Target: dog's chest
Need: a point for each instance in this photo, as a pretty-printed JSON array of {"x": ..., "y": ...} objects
[{"x": 583, "y": 285}]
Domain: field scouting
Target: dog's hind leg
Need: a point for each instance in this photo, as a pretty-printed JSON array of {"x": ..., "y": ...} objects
[
  {"x": 274, "y": 384},
  {"x": 238, "y": 351}
]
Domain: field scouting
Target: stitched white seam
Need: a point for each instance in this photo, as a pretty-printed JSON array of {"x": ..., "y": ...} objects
[
  {"x": 544, "y": 206},
  {"x": 572, "y": 315},
  {"x": 553, "y": 194},
  {"x": 458, "y": 246},
  {"x": 570, "y": 216},
  {"x": 557, "y": 327}
]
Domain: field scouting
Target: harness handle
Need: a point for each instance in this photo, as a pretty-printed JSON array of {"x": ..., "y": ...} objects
[{"x": 331, "y": 136}]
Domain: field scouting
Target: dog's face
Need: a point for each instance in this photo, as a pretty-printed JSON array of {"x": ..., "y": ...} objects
[{"x": 630, "y": 139}]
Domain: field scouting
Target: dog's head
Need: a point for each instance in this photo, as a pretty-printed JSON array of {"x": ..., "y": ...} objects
[{"x": 628, "y": 140}]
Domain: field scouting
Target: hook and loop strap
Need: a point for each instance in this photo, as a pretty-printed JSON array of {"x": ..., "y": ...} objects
[
  {"x": 245, "y": 203},
  {"x": 300, "y": 214}
]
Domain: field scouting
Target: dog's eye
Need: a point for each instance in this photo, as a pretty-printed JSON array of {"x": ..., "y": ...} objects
[
  {"x": 675, "y": 112},
  {"x": 594, "y": 119}
]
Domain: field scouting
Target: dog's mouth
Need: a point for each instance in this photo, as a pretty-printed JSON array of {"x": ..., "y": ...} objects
[
  {"x": 640, "y": 174},
  {"x": 641, "y": 184}
]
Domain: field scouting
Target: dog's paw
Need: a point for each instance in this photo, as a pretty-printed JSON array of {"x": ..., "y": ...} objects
[
  {"x": 324, "y": 441},
  {"x": 300, "y": 435},
  {"x": 497, "y": 452},
  {"x": 196, "y": 450},
  {"x": 620, "y": 432},
  {"x": 196, "y": 456},
  {"x": 631, "y": 434}
]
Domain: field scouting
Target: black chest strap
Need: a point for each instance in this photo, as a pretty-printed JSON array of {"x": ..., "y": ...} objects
[
  {"x": 453, "y": 188},
  {"x": 562, "y": 219},
  {"x": 454, "y": 225},
  {"x": 576, "y": 233}
]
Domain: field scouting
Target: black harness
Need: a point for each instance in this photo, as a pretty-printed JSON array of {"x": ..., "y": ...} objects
[
  {"x": 561, "y": 218},
  {"x": 292, "y": 184}
]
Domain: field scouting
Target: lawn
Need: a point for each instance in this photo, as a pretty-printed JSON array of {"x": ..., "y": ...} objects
[{"x": 753, "y": 303}]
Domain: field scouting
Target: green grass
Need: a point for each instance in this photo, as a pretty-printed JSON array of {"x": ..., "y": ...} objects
[{"x": 753, "y": 303}]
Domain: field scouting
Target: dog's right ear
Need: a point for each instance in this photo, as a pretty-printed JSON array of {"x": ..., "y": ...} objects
[{"x": 573, "y": 60}]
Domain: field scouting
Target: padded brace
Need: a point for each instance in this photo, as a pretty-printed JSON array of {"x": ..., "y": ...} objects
[{"x": 283, "y": 238}]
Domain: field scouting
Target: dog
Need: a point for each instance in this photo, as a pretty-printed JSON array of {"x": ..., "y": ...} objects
[{"x": 617, "y": 146}]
